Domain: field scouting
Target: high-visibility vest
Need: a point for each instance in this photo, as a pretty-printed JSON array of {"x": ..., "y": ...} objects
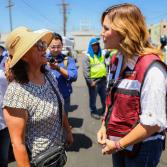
[{"x": 97, "y": 66}]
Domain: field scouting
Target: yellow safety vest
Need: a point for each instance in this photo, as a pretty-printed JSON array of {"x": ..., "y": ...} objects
[{"x": 97, "y": 67}]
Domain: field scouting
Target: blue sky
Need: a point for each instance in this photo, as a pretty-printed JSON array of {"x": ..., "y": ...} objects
[{"x": 37, "y": 14}]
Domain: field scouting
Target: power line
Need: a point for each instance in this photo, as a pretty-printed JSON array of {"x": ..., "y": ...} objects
[{"x": 35, "y": 10}]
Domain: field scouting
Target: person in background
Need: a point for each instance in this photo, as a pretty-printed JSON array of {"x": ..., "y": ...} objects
[
  {"x": 163, "y": 48},
  {"x": 135, "y": 118},
  {"x": 4, "y": 134},
  {"x": 63, "y": 68},
  {"x": 30, "y": 105},
  {"x": 94, "y": 71}
]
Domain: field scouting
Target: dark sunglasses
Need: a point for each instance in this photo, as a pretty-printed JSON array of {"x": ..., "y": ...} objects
[{"x": 41, "y": 45}]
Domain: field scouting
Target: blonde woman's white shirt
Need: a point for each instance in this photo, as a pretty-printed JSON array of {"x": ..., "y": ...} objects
[{"x": 153, "y": 97}]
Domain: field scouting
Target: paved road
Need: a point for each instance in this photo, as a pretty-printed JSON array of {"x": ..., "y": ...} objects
[{"x": 85, "y": 151}]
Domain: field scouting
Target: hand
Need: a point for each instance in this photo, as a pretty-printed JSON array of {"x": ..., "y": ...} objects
[
  {"x": 54, "y": 66},
  {"x": 101, "y": 135},
  {"x": 93, "y": 84},
  {"x": 109, "y": 147}
]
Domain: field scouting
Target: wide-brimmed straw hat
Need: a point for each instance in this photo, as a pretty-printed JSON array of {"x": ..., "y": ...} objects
[{"x": 22, "y": 39}]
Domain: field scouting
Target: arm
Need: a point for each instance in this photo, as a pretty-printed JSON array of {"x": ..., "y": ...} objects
[
  {"x": 70, "y": 73},
  {"x": 153, "y": 117},
  {"x": 101, "y": 134},
  {"x": 139, "y": 133},
  {"x": 16, "y": 121},
  {"x": 68, "y": 129},
  {"x": 86, "y": 69},
  {"x": 55, "y": 66},
  {"x": 72, "y": 70}
]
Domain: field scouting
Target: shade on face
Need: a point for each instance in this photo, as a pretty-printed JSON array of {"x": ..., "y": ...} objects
[
  {"x": 36, "y": 55},
  {"x": 95, "y": 47}
]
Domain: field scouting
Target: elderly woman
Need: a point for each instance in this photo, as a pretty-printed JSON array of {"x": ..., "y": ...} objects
[
  {"x": 135, "y": 119},
  {"x": 31, "y": 107}
]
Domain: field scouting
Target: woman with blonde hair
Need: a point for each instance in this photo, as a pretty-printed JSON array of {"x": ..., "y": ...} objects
[{"x": 135, "y": 119}]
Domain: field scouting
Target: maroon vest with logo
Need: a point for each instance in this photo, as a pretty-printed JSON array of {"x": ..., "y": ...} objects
[{"x": 123, "y": 99}]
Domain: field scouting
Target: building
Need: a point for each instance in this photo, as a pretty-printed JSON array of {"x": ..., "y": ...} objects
[
  {"x": 156, "y": 30},
  {"x": 82, "y": 38}
]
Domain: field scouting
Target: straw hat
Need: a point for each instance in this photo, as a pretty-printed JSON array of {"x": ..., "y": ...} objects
[{"x": 22, "y": 39}]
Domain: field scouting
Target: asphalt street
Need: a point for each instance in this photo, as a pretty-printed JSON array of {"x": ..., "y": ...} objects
[{"x": 85, "y": 152}]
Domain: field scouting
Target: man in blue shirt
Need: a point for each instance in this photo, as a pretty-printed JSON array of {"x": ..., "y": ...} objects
[{"x": 63, "y": 68}]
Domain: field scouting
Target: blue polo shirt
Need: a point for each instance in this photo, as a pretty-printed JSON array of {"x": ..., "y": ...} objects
[{"x": 65, "y": 84}]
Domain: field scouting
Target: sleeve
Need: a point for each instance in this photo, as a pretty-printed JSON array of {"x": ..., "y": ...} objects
[
  {"x": 153, "y": 97},
  {"x": 15, "y": 96},
  {"x": 72, "y": 70},
  {"x": 86, "y": 69}
]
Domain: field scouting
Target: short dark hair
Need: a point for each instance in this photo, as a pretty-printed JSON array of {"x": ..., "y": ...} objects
[{"x": 57, "y": 37}]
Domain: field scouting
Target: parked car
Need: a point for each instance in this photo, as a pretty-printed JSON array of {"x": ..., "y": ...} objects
[{"x": 68, "y": 48}]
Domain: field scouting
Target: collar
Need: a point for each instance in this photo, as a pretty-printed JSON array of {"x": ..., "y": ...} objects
[{"x": 131, "y": 62}]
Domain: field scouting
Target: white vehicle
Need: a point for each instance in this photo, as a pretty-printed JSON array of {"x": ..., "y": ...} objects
[{"x": 68, "y": 48}]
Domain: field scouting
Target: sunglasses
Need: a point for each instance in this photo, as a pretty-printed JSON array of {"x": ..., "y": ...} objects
[{"x": 41, "y": 45}]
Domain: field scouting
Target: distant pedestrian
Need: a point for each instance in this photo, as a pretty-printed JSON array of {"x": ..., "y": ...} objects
[
  {"x": 135, "y": 119},
  {"x": 163, "y": 48},
  {"x": 4, "y": 134},
  {"x": 94, "y": 71},
  {"x": 63, "y": 68}
]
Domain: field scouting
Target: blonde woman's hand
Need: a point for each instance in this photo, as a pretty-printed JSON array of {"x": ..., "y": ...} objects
[
  {"x": 109, "y": 147},
  {"x": 101, "y": 135}
]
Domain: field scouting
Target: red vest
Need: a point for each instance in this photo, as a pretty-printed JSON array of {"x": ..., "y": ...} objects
[{"x": 123, "y": 99}]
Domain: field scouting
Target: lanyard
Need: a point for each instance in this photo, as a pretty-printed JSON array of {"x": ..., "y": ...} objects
[{"x": 112, "y": 76}]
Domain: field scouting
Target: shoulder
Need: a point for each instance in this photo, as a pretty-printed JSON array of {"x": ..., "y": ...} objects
[
  {"x": 86, "y": 57},
  {"x": 15, "y": 88},
  {"x": 69, "y": 59},
  {"x": 156, "y": 77},
  {"x": 51, "y": 77},
  {"x": 157, "y": 69},
  {"x": 15, "y": 96}
]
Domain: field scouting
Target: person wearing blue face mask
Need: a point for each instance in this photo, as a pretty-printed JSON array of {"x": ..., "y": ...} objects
[{"x": 94, "y": 71}]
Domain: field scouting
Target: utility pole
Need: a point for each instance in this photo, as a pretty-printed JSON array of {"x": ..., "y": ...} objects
[
  {"x": 10, "y": 4},
  {"x": 64, "y": 6}
]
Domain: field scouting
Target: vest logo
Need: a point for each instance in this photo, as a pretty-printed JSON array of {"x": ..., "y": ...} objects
[{"x": 130, "y": 75}]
